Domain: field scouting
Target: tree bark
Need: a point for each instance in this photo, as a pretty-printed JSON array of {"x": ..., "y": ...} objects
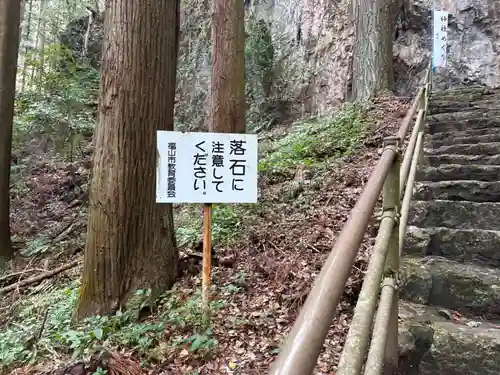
[
  {"x": 130, "y": 239},
  {"x": 27, "y": 38},
  {"x": 20, "y": 57},
  {"x": 372, "y": 64},
  {"x": 228, "y": 67},
  {"x": 40, "y": 45},
  {"x": 10, "y": 15}
]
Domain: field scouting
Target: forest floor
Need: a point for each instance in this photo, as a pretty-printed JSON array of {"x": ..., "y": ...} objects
[{"x": 275, "y": 248}]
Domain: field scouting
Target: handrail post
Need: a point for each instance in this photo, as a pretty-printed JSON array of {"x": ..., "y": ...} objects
[
  {"x": 406, "y": 201},
  {"x": 422, "y": 98},
  {"x": 391, "y": 201},
  {"x": 429, "y": 77}
]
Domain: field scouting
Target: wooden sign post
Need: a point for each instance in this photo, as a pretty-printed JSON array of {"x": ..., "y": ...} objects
[
  {"x": 207, "y": 263},
  {"x": 206, "y": 167}
]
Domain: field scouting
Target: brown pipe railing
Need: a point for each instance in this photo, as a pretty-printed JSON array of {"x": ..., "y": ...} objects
[{"x": 392, "y": 176}]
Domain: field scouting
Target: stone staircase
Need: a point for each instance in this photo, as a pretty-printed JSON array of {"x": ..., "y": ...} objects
[{"x": 450, "y": 268}]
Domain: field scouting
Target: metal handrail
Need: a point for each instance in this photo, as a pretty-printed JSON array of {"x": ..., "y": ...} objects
[{"x": 391, "y": 176}]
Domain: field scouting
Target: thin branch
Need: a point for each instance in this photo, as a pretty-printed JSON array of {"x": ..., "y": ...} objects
[
  {"x": 40, "y": 277},
  {"x": 6, "y": 278}
]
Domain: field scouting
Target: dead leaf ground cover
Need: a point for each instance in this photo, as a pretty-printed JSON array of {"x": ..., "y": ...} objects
[{"x": 277, "y": 248}]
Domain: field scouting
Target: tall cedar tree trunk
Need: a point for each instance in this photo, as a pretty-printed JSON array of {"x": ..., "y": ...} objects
[
  {"x": 10, "y": 15},
  {"x": 130, "y": 239},
  {"x": 372, "y": 61},
  {"x": 228, "y": 66}
]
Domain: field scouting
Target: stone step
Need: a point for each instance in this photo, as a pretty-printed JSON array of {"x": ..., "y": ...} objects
[
  {"x": 449, "y": 172},
  {"x": 462, "y": 133},
  {"x": 465, "y": 97},
  {"x": 432, "y": 344},
  {"x": 468, "y": 288},
  {"x": 460, "y": 91},
  {"x": 474, "y": 191},
  {"x": 485, "y": 93},
  {"x": 461, "y": 245},
  {"x": 455, "y": 214},
  {"x": 440, "y": 159},
  {"x": 492, "y": 148},
  {"x": 485, "y": 135},
  {"x": 462, "y": 115},
  {"x": 460, "y": 121},
  {"x": 441, "y": 105}
]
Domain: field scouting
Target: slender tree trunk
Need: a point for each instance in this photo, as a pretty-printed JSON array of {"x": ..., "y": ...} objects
[
  {"x": 130, "y": 239},
  {"x": 36, "y": 73},
  {"x": 20, "y": 57},
  {"x": 10, "y": 13},
  {"x": 372, "y": 62},
  {"x": 40, "y": 45},
  {"x": 228, "y": 66},
  {"x": 28, "y": 30}
]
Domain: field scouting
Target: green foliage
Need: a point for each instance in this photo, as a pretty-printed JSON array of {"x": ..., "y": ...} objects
[
  {"x": 60, "y": 334},
  {"x": 225, "y": 224},
  {"x": 199, "y": 342},
  {"x": 259, "y": 64},
  {"x": 312, "y": 142},
  {"x": 62, "y": 107}
]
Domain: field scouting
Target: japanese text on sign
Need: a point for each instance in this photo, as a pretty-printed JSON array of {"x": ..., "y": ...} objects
[
  {"x": 206, "y": 168},
  {"x": 440, "y": 38}
]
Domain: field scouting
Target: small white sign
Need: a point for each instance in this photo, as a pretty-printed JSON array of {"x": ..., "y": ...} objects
[
  {"x": 440, "y": 38},
  {"x": 206, "y": 167}
]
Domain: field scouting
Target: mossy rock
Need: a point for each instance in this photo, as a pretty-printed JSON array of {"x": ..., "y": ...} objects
[
  {"x": 441, "y": 282},
  {"x": 430, "y": 344}
]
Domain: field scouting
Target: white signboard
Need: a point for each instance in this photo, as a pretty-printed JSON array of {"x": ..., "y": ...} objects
[
  {"x": 206, "y": 167},
  {"x": 440, "y": 38}
]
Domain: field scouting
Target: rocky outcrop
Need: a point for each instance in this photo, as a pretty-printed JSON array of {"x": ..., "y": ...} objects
[
  {"x": 464, "y": 287},
  {"x": 450, "y": 272},
  {"x": 462, "y": 245},
  {"x": 313, "y": 42},
  {"x": 326, "y": 37},
  {"x": 456, "y": 214},
  {"x": 431, "y": 344},
  {"x": 473, "y": 44},
  {"x": 73, "y": 37}
]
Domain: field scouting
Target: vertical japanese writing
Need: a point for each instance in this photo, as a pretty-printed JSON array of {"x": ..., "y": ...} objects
[
  {"x": 238, "y": 163},
  {"x": 444, "y": 32},
  {"x": 440, "y": 38},
  {"x": 217, "y": 165},
  {"x": 171, "y": 163},
  {"x": 200, "y": 168}
]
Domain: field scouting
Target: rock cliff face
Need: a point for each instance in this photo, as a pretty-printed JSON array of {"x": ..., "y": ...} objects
[
  {"x": 323, "y": 35},
  {"x": 313, "y": 44},
  {"x": 327, "y": 35},
  {"x": 74, "y": 38},
  {"x": 473, "y": 46}
]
